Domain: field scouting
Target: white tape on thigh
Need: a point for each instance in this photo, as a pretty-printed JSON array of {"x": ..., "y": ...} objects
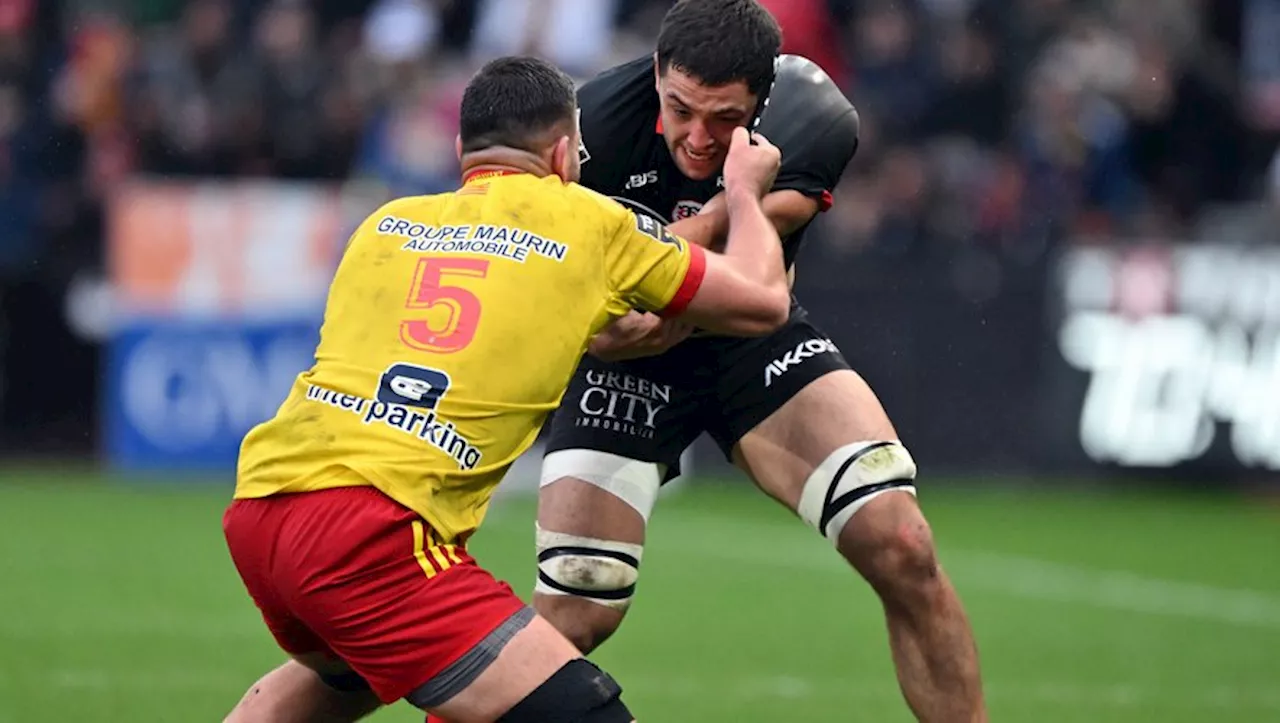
[
  {"x": 634, "y": 482},
  {"x": 602, "y": 571},
  {"x": 850, "y": 478}
]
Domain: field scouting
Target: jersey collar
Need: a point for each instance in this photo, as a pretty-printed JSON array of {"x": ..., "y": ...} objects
[{"x": 482, "y": 173}]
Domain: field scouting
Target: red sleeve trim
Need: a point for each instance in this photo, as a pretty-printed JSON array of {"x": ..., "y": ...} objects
[
  {"x": 689, "y": 287},
  {"x": 826, "y": 202}
]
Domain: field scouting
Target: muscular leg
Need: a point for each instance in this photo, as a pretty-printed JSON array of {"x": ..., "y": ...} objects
[
  {"x": 586, "y": 595},
  {"x": 531, "y": 657},
  {"x": 596, "y": 495},
  {"x": 295, "y": 693},
  {"x": 887, "y": 540}
]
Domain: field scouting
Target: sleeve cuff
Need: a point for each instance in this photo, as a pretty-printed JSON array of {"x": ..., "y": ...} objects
[
  {"x": 689, "y": 287},
  {"x": 818, "y": 193}
]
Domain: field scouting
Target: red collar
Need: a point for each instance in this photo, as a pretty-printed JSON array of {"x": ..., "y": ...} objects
[
  {"x": 657, "y": 128},
  {"x": 480, "y": 173}
]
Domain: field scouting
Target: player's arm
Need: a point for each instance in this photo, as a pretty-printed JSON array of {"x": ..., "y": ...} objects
[
  {"x": 742, "y": 291},
  {"x": 787, "y": 210}
]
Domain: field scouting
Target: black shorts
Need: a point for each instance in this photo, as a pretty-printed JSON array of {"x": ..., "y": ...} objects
[{"x": 651, "y": 409}]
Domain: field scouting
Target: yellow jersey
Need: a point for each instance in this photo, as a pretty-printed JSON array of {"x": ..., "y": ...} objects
[{"x": 452, "y": 327}]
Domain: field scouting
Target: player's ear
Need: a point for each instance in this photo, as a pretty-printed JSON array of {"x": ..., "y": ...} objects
[
  {"x": 457, "y": 145},
  {"x": 561, "y": 161}
]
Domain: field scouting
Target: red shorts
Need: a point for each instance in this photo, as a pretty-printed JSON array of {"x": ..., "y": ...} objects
[{"x": 351, "y": 573}]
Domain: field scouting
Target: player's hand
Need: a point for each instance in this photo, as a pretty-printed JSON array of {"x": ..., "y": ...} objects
[
  {"x": 637, "y": 335},
  {"x": 751, "y": 166}
]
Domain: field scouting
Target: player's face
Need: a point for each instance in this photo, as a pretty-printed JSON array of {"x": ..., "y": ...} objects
[{"x": 698, "y": 120}]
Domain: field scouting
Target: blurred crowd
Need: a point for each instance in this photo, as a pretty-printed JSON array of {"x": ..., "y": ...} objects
[
  {"x": 1017, "y": 125},
  {"x": 1008, "y": 125}
]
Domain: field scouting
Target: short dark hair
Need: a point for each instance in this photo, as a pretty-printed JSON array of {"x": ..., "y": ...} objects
[
  {"x": 720, "y": 42},
  {"x": 511, "y": 101}
]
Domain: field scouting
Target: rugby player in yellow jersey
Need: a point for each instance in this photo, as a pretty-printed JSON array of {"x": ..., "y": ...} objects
[{"x": 452, "y": 327}]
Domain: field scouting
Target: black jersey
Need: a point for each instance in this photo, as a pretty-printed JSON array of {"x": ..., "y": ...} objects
[{"x": 625, "y": 156}]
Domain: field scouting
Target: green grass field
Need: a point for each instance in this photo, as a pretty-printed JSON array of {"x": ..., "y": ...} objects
[{"x": 118, "y": 603}]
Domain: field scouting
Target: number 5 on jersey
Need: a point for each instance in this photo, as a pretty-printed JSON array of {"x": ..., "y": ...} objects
[{"x": 429, "y": 294}]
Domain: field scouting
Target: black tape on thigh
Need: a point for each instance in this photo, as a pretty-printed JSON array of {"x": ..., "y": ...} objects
[{"x": 578, "y": 692}]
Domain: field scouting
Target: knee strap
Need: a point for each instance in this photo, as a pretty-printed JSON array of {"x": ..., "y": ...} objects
[
  {"x": 850, "y": 478},
  {"x": 602, "y": 571}
]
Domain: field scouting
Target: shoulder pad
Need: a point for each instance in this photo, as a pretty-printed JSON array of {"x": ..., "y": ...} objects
[{"x": 805, "y": 100}]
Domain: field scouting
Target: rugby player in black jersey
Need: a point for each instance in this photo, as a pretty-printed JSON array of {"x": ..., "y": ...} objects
[{"x": 785, "y": 408}]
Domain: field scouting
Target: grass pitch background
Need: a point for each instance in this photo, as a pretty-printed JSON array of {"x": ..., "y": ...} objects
[{"x": 118, "y": 603}]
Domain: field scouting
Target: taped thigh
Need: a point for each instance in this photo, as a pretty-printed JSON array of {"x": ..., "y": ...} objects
[
  {"x": 850, "y": 478},
  {"x": 632, "y": 481},
  {"x": 579, "y": 692}
]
